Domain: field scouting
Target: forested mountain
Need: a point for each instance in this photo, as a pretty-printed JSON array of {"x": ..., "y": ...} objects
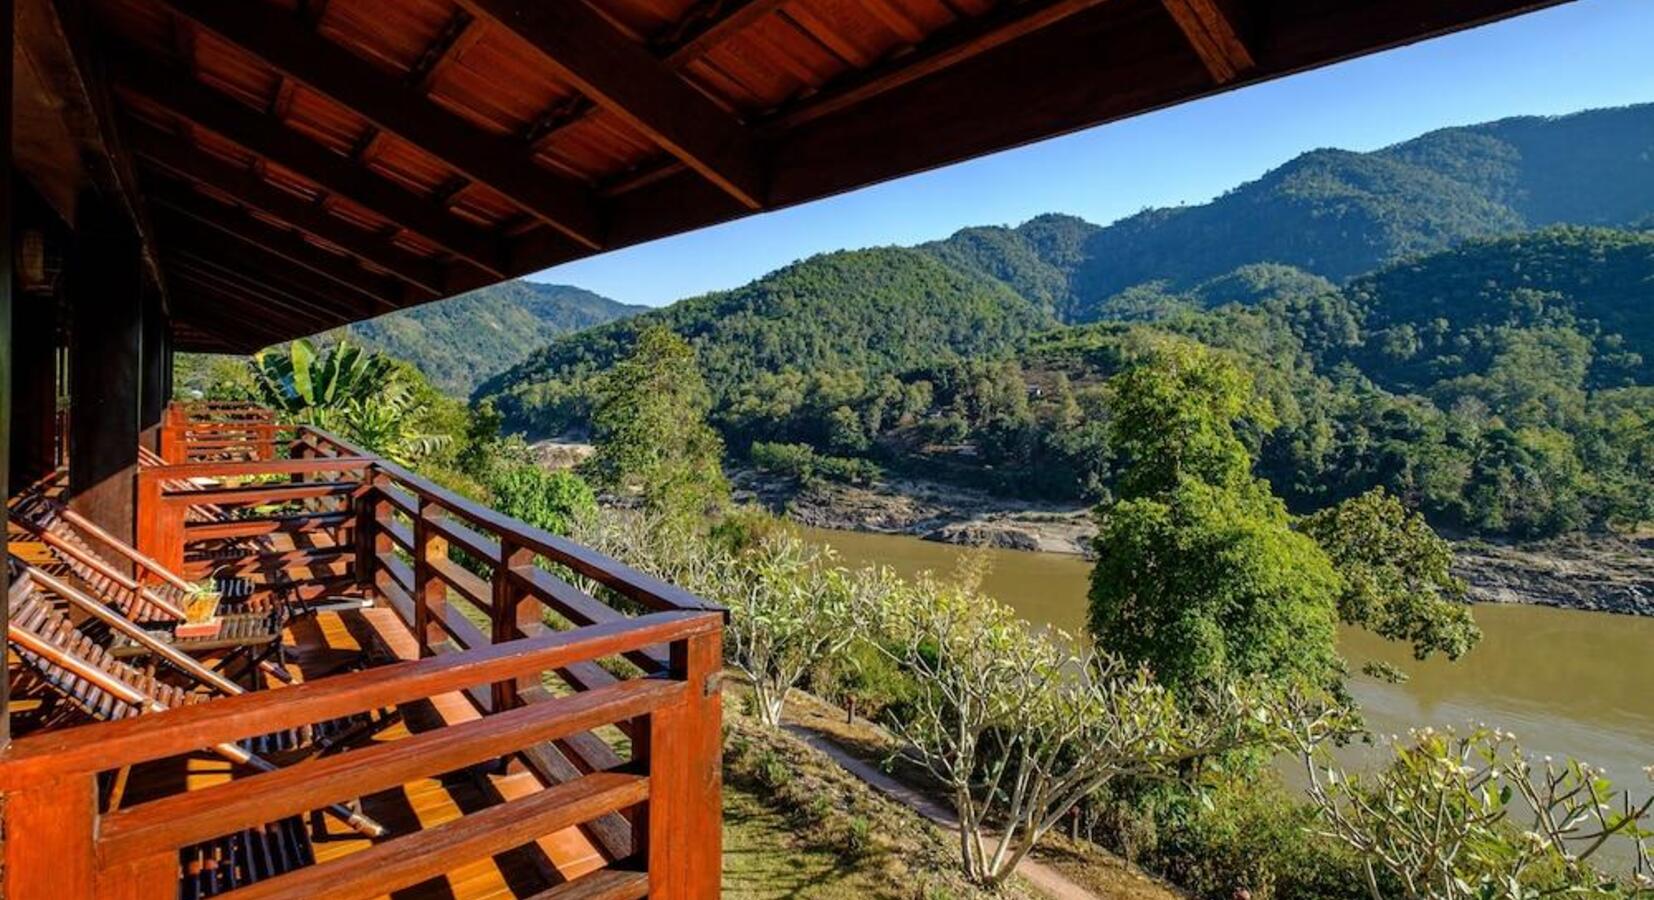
[
  {"x": 875, "y": 311},
  {"x": 460, "y": 342},
  {"x": 1337, "y": 213},
  {"x": 1409, "y": 323}
]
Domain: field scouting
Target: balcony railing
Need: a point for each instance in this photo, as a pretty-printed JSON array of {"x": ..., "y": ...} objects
[{"x": 303, "y": 512}]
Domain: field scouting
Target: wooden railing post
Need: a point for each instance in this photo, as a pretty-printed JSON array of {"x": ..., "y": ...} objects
[
  {"x": 160, "y": 524},
  {"x": 49, "y": 846},
  {"x": 506, "y": 598},
  {"x": 430, "y": 592},
  {"x": 682, "y": 750},
  {"x": 366, "y": 503}
]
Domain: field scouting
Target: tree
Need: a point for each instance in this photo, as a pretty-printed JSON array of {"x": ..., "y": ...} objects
[
  {"x": 789, "y": 608},
  {"x": 1200, "y": 575},
  {"x": 1019, "y": 728},
  {"x": 1473, "y": 817},
  {"x": 367, "y": 396},
  {"x": 651, "y": 430},
  {"x": 542, "y": 498},
  {"x": 1396, "y": 574}
]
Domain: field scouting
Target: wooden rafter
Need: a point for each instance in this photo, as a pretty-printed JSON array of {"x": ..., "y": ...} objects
[
  {"x": 1213, "y": 33},
  {"x": 269, "y": 269},
  {"x": 188, "y": 161},
  {"x": 259, "y": 134},
  {"x": 388, "y": 104},
  {"x": 589, "y": 53},
  {"x": 709, "y": 24},
  {"x": 462, "y": 31},
  {"x": 946, "y": 48},
  {"x": 212, "y": 217}
]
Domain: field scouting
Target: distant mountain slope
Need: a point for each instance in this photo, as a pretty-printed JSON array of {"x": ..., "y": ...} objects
[
  {"x": 1337, "y": 213},
  {"x": 877, "y": 311},
  {"x": 459, "y": 343}
]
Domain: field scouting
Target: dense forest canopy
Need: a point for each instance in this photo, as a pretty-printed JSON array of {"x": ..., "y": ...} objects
[
  {"x": 460, "y": 342},
  {"x": 1415, "y": 318}
]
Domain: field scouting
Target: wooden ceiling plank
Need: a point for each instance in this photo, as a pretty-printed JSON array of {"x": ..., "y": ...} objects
[
  {"x": 945, "y": 48},
  {"x": 224, "y": 313},
  {"x": 459, "y": 34},
  {"x": 586, "y": 51},
  {"x": 713, "y": 23},
  {"x": 1213, "y": 33},
  {"x": 290, "y": 246},
  {"x": 190, "y": 162},
  {"x": 496, "y": 160},
  {"x": 246, "y": 293},
  {"x": 304, "y": 286},
  {"x": 264, "y": 136}
]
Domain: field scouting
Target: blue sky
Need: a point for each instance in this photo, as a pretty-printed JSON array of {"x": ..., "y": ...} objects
[{"x": 1581, "y": 55}]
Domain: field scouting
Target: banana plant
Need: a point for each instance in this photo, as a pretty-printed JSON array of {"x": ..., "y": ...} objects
[
  {"x": 345, "y": 389},
  {"x": 302, "y": 382}
]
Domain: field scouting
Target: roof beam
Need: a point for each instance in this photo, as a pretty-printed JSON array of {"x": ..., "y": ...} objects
[
  {"x": 190, "y": 162},
  {"x": 305, "y": 287},
  {"x": 625, "y": 78},
  {"x": 461, "y": 32},
  {"x": 1212, "y": 32},
  {"x": 246, "y": 296},
  {"x": 264, "y": 136},
  {"x": 495, "y": 160},
  {"x": 289, "y": 246},
  {"x": 947, "y": 47},
  {"x": 711, "y": 23}
]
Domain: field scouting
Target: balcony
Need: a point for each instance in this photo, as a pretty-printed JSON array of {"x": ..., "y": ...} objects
[{"x": 543, "y": 740}]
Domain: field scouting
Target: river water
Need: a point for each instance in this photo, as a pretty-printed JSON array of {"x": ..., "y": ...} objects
[{"x": 1566, "y": 683}]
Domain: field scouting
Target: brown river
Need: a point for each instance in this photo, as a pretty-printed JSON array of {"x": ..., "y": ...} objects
[{"x": 1566, "y": 683}]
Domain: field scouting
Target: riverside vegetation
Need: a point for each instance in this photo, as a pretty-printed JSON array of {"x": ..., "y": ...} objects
[
  {"x": 1462, "y": 319},
  {"x": 1022, "y": 730}
]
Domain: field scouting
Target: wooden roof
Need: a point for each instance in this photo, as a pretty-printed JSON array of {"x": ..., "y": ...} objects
[{"x": 306, "y": 163}]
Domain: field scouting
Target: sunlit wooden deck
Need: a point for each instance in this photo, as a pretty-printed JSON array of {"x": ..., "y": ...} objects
[{"x": 503, "y": 760}]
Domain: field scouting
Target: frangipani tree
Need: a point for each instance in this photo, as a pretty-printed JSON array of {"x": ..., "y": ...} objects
[
  {"x": 790, "y": 608},
  {"x": 1473, "y": 817},
  {"x": 1021, "y": 727}
]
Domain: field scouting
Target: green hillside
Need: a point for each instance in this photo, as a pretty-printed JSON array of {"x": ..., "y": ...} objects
[
  {"x": 1408, "y": 320},
  {"x": 458, "y": 343},
  {"x": 874, "y": 311},
  {"x": 1337, "y": 213}
]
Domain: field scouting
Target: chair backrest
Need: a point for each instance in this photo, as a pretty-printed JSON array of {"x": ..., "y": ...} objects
[
  {"x": 72, "y": 664},
  {"x": 76, "y": 543}
]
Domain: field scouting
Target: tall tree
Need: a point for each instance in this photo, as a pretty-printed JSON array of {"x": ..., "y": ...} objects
[
  {"x": 651, "y": 431},
  {"x": 1199, "y": 572}
]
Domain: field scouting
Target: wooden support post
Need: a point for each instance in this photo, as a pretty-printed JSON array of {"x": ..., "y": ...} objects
[
  {"x": 160, "y": 525},
  {"x": 430, "y": 593},
  {"x": 366, "y": 504},
  {"x": 156, "y": 339},
  {"x": 50, "y": 849},
  {"x": 8, "y": 227},
  {"x": 33, "y": 389},
  {"x": 105, "y": 284},
  {"x": 503, "y": 617},
  {"x": 682, "y": 751}
]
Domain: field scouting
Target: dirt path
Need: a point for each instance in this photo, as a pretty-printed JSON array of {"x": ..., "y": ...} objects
[{"x": 1045, "y": 879}]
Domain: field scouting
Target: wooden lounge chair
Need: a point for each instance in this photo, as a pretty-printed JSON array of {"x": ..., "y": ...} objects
[
  {"x": 84, "y": 674},
  {"x": 74, "y": 540}
]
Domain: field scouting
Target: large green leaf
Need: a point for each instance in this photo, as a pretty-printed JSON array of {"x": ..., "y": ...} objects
[{"x": 303, "y": 355}]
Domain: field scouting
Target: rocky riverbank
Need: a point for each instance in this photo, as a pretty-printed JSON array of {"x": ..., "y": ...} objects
[
  {"x": 1605, "y": 574},
  {"x": 933, "y": 511}
]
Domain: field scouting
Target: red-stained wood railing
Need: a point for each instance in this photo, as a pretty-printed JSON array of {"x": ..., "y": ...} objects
[
  {"x": 59, "y": 844},
  {"x": 477, "y": 590}
]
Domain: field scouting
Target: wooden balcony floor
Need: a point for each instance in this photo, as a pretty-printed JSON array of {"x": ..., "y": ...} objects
[{"x": 319, "y": 646}]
